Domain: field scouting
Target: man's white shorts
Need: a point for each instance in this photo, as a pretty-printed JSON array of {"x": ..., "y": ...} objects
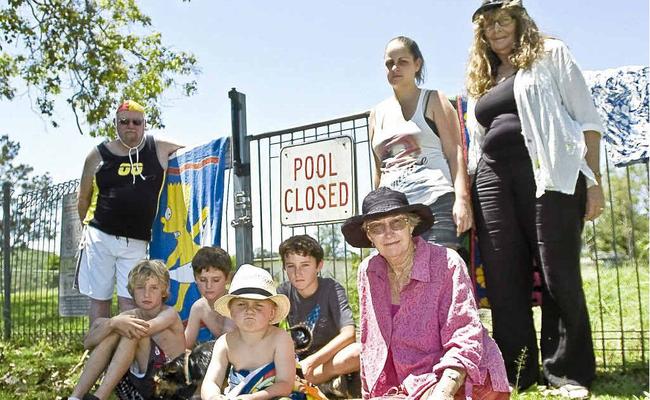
[{"x": 102, "y": 256}]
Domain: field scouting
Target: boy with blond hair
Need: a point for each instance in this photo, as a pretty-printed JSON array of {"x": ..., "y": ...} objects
[
  {"x": 134, "y": 344},
  {"x": 211, "y": 267}
]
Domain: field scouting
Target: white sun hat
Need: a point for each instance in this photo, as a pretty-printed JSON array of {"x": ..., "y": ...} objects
[{"x": 253, "y": 283}]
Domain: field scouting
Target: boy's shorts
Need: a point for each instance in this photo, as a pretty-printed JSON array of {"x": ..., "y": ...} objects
[{"x": 101, "y": 257}]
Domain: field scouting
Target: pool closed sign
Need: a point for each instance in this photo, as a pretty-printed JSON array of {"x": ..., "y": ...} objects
[{"x": 317, "y": 182}]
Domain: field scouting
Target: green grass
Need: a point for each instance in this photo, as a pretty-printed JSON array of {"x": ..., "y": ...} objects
[
  {"x": 42, "y": 370},
  {"x": 39, "y": 369},
  {"x": 618, "y": 306},
  {"x": 609, "y": 385}
]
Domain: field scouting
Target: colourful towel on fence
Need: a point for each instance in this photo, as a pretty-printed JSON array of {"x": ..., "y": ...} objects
[
  {"x": 621, "y": 98},
  {"x": 189, "y": 216}
]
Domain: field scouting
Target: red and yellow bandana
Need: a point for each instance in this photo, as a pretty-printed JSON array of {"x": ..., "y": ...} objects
[{"x": 130, "y": 105}]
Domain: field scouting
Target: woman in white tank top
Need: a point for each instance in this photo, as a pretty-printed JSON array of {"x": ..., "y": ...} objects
[{"x": 415, "y": 137}]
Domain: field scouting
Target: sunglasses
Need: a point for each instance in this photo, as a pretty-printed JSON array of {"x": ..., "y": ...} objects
[
  {"x": 380, "y": 228},
  {"x": 127, "y": 121},
  {"x": 502, "y": 20}
]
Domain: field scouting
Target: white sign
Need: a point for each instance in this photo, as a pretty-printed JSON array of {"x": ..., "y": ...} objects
[{"x": 317, "y": 182}]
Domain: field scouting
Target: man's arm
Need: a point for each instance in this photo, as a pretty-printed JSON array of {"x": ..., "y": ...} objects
[
  {"x": 86, "y": 183},
  {"x": 164, "y": 150}
]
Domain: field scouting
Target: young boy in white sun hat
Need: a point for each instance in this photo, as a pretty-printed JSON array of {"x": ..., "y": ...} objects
[{"x": 262, "y": 355}]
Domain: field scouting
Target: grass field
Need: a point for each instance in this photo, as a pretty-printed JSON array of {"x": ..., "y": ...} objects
[{"x": 42, "y": 370}]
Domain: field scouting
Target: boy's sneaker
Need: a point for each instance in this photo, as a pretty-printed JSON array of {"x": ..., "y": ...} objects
[{"x": 90, "y": 397}]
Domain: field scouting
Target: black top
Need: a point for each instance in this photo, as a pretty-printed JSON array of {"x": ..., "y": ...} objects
[
  {"x": 124, "y": 207},
  {"x": 496, "y": 110}
]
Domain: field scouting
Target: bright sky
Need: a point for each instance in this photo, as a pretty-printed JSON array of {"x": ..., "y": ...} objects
[{"x": 302, "y": 61}]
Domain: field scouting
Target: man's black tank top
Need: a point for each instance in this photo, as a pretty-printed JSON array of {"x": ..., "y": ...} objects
[
  {"x": 496, "y": 110},
  {"x": 124, "y": 207}
]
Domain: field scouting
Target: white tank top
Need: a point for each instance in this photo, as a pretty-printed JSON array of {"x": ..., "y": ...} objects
[{"x": 410, "y": 152}]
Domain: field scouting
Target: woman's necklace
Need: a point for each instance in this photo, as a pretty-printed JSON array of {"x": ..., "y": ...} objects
[
  {"x": 504, "y": 73},
  {"x": 401, "y": 275}
]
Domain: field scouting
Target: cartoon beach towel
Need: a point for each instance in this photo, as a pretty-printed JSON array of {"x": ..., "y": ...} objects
[
  {"x": 245, "y": 382},
  {"x": 189, "y": 216}
]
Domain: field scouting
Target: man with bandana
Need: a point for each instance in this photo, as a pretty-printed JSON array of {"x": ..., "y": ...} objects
[{"x": 118, "y": 200}]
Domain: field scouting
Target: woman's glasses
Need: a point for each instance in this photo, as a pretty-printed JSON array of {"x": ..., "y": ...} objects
[
  {"x": 379, "y": 228},
  {"x": 127, "y": 121},
  {"x": 503, "y": 20}
]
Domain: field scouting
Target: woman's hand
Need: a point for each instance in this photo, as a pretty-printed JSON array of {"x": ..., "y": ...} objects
[
  {"x": 434, "y": 394},
  {"x": 447, "y": 386},
  {"x": 595, "y": 202},
  {"x": 462, "y": 213}
]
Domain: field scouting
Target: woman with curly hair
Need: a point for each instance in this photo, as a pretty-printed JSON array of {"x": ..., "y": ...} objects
[{"x": 534, "y": 153}]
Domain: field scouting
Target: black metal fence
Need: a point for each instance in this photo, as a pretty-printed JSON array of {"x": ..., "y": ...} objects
[
  {"x": 34, "y": 263},
  {"x": 615, "y": 264},
  {"x": 615, "y": 279}
]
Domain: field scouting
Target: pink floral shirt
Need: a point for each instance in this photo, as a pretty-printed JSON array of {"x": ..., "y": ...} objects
[{"x": 437, "y": 326}]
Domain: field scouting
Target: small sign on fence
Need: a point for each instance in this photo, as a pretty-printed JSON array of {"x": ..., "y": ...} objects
[
  {"x": 317, "y": 182},
  {"x": 71, "y": 302}
]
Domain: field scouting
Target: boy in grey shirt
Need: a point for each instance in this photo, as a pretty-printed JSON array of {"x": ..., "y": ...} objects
[{"x": 320, "y": 306}]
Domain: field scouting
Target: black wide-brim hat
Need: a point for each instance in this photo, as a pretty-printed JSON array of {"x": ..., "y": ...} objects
[
  {"x": 487, "y": 5},
  {"x": 378, "y": 204}
]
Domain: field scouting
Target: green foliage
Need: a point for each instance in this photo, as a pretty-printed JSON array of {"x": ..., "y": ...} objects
[
  {"x": 95, "y": 53},
  {"x": 21, "y": 179},
  {"x": 53, "y": 262},
  {"x": 353, "y": 292},
  {"x": 19, "y": 175},
  {"x": 623, "y": 227}
]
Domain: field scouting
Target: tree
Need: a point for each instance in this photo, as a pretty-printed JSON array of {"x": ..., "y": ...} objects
[
  {"x": 623, "y": 227},
  {"x": 21, "y": 179},
  {"x": 18, "y": 175},
  {"x": 331, "y": 239},
  {"x": 87, "y": 51}
]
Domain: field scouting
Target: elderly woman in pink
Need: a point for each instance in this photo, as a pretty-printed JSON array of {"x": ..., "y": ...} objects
[{"x": 421, "y": 337}]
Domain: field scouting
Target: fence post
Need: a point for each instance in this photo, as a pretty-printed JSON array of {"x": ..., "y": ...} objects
[
  {"x": 6, "y": 251},
  {"x": 242, "y": 222}
]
